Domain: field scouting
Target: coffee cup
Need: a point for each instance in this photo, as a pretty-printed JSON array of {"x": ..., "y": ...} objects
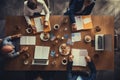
[
  {"x": 29, "y": 30},
  {"x": 64, "y": 61},
  {"x": 56, "y": 26}
]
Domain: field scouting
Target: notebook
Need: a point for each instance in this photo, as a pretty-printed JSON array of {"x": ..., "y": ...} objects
[
  {"x": 41, "y": 55},
  {"x": 27, "y": 40},
  {"x": 79, "y": 57},
  {"x": 83, "y": 22},
  {"x": 38, "y": 24}
]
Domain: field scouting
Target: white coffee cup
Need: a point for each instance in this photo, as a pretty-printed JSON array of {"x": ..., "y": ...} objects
[
  {"x": 64, "y": 61},
  {"x": 56, "y": 26},
  {"x": 29, "y": 30}
]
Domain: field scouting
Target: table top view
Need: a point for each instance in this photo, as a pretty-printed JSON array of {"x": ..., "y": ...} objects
[{"x": 104, "y": 60}]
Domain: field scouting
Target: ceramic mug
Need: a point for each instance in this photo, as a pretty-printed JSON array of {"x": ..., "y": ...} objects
[
  {"x": 29, "y": 30},
  {"x": 64, "y": 61},
  {"x": 56, "y": 26}
]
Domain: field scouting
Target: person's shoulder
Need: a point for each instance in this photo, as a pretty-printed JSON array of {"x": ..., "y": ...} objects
[
  {"x": 25, "y": 2},
  {"x": 40, "y": 1}
]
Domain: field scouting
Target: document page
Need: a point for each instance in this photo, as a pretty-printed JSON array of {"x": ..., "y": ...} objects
[
  {"x": 76, "y": 37},
  {"x": 38, "y": 24},
  {"x": 41, "y": 52},
  {"x": 79, "y": 57},
  {"x": 27, "y": 40},
  {"x": 79, "y": 22}
]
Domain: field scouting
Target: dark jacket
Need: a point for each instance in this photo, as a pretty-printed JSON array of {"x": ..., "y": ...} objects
[
  {"x": 90, "y": 76},
  {"x": 75, "y": 6}
]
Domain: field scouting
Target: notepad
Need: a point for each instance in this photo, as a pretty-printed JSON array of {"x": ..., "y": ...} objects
[
  {"x": 76, "y": 37},
  {"x": 79, "y": 57},
  {"x": 83, "y": 22},
  {"x": 38, "y": 24},
  {"x": 27, "y": 40}
]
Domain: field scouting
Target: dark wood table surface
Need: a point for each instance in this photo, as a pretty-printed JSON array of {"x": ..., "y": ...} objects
[{"x": 103, "y": 60}]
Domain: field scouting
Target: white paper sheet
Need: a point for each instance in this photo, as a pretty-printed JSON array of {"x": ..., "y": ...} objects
[
  {"x": 38, "y": 24},
  {"x": 76, "y": 37},
  {"x": 79, "y": 57},
  {"x": 79, "y": 22},
  {"x": 27, "y": 40},
  {"x": 41, "y": 52}
]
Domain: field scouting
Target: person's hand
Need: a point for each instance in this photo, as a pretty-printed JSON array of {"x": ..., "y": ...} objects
[
  {"x": 16, "y": 36},
  {"x": 23, "y": 49},
  {"x": 74, "y": 27},
  {"x": 88, "y": 59},
  {"x": 71, "y": 58},
  {"x": 0, "y": 40},
  {"x": 46, "y": 24}
]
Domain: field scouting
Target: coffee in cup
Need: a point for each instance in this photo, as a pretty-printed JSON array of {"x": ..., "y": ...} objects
[
  {"x": 29, "y": 30},
  {"x": 64, "y": 61},
  {"x": 56, "y": 26}
]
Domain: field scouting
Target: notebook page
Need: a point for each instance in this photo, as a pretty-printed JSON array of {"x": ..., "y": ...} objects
[{"x": 38, "y": 24}]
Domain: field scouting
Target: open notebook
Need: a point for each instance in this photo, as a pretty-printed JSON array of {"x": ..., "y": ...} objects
[
  {"x": 79, "y": 57},
  {"x": 41, "y": 55},
  {"x": 83, "y": 22},
  {"x": 27, "y": 40},
  {"x": 38, "y": 24}
]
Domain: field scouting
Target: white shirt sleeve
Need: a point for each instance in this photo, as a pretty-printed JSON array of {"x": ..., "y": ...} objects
[{"x": 47, "y": 13}]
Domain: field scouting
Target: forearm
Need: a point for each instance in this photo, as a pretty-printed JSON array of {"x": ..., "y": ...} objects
[
  {"x": 69, "y": 70},
  {"x": 92, "y": 67},
  {"x": 47, "y": 13},
  {"x": 28, "y": 20}
]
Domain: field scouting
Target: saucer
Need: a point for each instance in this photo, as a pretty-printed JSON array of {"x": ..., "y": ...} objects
[
  {"x": 42, "y": 37},
  {"x": 60, "y": 50},
  {"x": 87, "y": 38}
]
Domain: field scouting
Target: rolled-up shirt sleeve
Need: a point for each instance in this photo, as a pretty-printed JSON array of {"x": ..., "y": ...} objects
[
  {"x": 47, "y": 13},
  {"x": 13, "y": 54}
]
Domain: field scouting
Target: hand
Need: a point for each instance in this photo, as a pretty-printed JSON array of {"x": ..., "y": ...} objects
[
  {"x": 46, "y": 24},
  {"x": 0, "y": 40},
  {"x": 71, "y": 58},
  {"x": 16, "y": 36},
  {"x": 23, "y": 49},
  {"x": 74, "y": 27},
  {"x": 88, "y": 59}
]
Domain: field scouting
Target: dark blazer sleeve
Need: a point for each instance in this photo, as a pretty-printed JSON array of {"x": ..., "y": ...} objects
[
  {"x": 88, "y": 9},
  {"x": 71, "y": 11},
  {"x": 69, "y": 70},
  {"x": 92, "y": 68}
]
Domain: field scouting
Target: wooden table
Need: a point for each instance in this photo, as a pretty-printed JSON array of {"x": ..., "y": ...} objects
[{"x": 103, "y": 61}]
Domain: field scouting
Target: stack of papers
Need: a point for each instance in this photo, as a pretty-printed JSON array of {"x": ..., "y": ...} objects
[
  {"x": 76, "y": 37},
  {"x": 38, "y": 24},
  {"x": 79, "y": 57},
  {"x": 28, "y": 40}
]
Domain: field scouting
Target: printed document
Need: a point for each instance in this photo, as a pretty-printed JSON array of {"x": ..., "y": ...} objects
[
  {"x": 27, "y": 40},
  {"x": 79, "y": 57}
]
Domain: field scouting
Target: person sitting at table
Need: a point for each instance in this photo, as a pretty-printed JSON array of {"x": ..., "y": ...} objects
[
  {"x": 81, "y": 75},
  {"x": 36, "y": 8},
  {"x": 79, "y": 7},
  {"x": 7, "y": 48}
]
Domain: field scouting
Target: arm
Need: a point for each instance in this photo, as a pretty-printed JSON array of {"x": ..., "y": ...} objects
[
  {"x": 93, "y": 70},
  {"x": 26, "y": 13},
  {"x": 69, "y": 70},
  {"x": 71, "y": 12},
  {"x": 46, "y": 11},
  {"x": 28, "y": 20},
  {"x": 88, "y": 9},
  {"x": 13, "y": 54}
]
